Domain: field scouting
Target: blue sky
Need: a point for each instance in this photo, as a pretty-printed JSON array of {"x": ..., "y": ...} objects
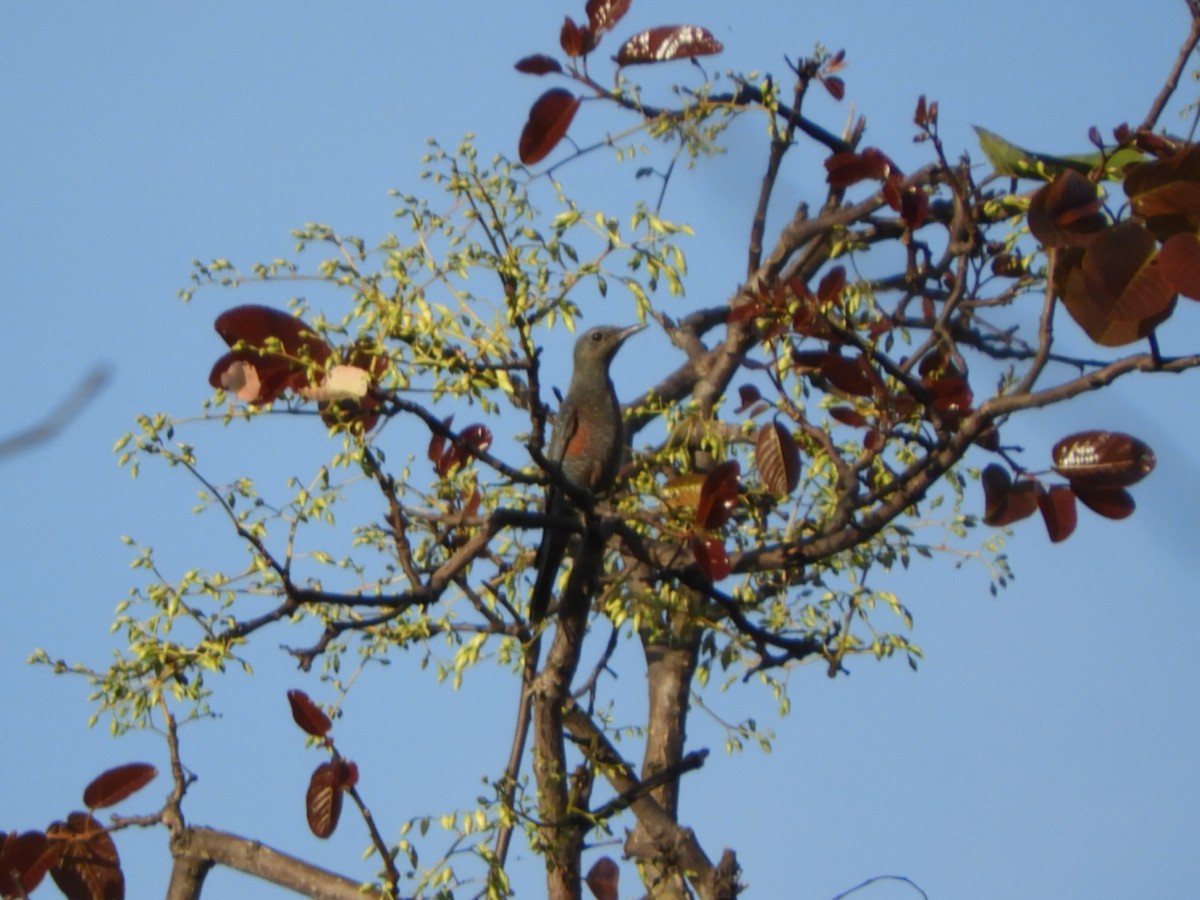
[{"x": 1045, "y": 748}]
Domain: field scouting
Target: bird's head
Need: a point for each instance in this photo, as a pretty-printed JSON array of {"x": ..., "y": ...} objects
[{"x": 600, "y": 344}]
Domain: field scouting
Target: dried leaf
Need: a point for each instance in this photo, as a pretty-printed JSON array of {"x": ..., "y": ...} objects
[
  {"x": 549, "y": 118},
  {"x": 667, "y": 42},
  {"x": 683, "y": 491},
  {"x": 711, "y": 557},
  {"x": 113, "y": 786},
  {"x": 323, "y": 802},
  {"x": 1103, "y": 460},
  {"x": 603, "y": 877},
  {"x": 778, "y": 459},
  {"x": 310, "y": 717},
  {"x": 718, "y": 495},
  {"x": 538, "y": 64},
  {"x": 1058, "y": 511},
  {"x": 88, "y": 867}
]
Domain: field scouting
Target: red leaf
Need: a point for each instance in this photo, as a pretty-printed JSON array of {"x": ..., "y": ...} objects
[
  {"x": 746, "y": 311},
  {"x": 667, "y": 42},
  {"x": 479, "y": 437},
  {"x": 1004, "y": 501},
  {"x": 24, "y": 861},
  {"x": 604, "y": 14},
  {"x": 854, "y": 376},
  {"x": 1112, "y": 504},
  {"x": 847, "y": 168},
  {"x": 310, "y": 717},
  {"x": 1115, "y": 289},
  {"x": 1058, "y": 511},
  {"x": 113, "y": 786},
  {"x": 748, "y": 395},
  {"x": 574, "y": 40},
  {"x": 1067, "y": 212},
  {"x": 832, "y": 284},
  {"x": 437, "y": 442},
  {"x": 1103, "y": 460},
  {"x": 323, "y": 802},
  {"x": 603, "y": 878},
  {"x": 256, "y": 325},
  {"x": 1179, "y": 262},
  {"x": 346, "y": 773},
  {"x": 710, "y": 556},
  {"x": 549, "y": 118},
  {"x": 88, "y": 867},
  {"x": 848, "y": 416},
  {"x": 538, "y": 64},
  {"x": 718, "y": 495},
  {"x": 835, "y": 86},
  {"x": 778, "y": 459}
]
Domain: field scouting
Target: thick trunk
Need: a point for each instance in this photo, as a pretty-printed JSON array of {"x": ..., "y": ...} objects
[{"x": 670, "y": 665}]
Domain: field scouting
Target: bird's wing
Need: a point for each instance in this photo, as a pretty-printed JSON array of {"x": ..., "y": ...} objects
[{"x": 565, "y": 425}]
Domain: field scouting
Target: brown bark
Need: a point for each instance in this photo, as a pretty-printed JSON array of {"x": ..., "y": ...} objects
[{"x": 196, "y": 850}]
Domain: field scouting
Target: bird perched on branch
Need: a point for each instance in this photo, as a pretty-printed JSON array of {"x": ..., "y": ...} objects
[{"x": 586, "y": 445}]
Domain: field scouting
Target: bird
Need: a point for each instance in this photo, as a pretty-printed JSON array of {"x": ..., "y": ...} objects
[{"x": 586, "y": 446}]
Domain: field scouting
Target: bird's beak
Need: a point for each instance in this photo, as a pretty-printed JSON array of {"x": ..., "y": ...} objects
[{"x": 629, "y": 332}]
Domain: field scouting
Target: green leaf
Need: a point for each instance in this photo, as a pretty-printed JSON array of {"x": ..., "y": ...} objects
[{"x": 1017, "y": 162}]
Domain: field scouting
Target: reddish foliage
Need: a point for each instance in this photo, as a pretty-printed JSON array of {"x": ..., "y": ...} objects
[
  {"x": 604, "y": 14},
  {"x": 1103, "y": 460},
  {"x": 88, "y": 867},
  {"x": 549, "y": 118},
  {"x": 1057, "y": 506},
  {"x": 778, "y": 459},
  {"x": 538, "y": 64},
  {"x": 1067, "y": 212},
  {"x": 748, "y": 395},
  {"x": 603, "y": 879},
  {"x": 24, "y": 861},
  {"x": 710, "y": 556},
  {"x": 718, "y": 495},
  {"x": 576, "y": 40},
  {"x": 1006, "y": 502},
  {"x": 1112, "y": 504},
  {"x": 1115, "y": 289},
  {"x": 323, "y": 802},
  {"x": 667, "y": 42},
  {"x": 847, "y": 168},
  {"x": 113, "y": 786},
  {"x": 1179, "y": 263},
  {"x": 310, "y": 717}
]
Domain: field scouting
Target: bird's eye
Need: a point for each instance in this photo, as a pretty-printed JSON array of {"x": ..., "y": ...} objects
[{"x": 597, "y": 337}]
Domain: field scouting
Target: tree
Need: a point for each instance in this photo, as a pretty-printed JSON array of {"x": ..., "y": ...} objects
[{"x": 748, "y": 538}]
